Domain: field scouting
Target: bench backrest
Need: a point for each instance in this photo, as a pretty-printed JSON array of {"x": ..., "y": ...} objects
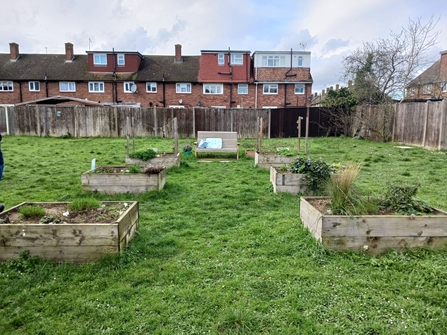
[{"x": 229, "y": 138}]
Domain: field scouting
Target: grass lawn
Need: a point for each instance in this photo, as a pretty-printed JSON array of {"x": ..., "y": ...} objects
[{"x": 218, "y": 252}]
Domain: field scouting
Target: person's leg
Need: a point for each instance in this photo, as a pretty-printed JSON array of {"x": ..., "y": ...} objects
[
  {"x": 2, "y": 207},
  {"x": 1, "y": 171}
]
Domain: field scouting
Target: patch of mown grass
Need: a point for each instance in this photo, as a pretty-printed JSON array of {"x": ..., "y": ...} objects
[{"x": 217, "y": 252}]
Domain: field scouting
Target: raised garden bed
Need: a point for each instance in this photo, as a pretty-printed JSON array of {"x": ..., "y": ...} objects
[
  {"x": 267, "y": 159},
  {"x": 165, "y": 159},
  {"x": 74, "y": 237},
  {"x": 373, "y": 233},
  {"x": 293, "y": 183},
  {"x": 117, "y": 179}
]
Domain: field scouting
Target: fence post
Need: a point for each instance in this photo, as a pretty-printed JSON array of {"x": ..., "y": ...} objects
[
  {"x": 193, "y": 122},
  {"x": 442, "y": 125},
  {"x": 175, "y": 135},
  {"x": 425, "y": 123},
  {"x": 155, "y": 122}
]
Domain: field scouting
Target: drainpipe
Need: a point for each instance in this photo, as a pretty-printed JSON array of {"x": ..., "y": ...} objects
[
  {"x": 114, "y": 90},
  {"x": 46, "y": 85}
]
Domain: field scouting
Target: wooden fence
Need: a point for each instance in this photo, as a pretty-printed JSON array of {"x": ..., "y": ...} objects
[{"x": 421, "y": 124}]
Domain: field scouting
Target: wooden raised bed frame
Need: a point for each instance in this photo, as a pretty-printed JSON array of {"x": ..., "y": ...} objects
[
  {"x": 113, "y": 183},
  {"x": 288, "y": 182},
  {"x": 267, "y": 159},
  {"x": 165, "y": 159},
  {"x": 374, "y": 234},
  {"x": 80, "y": 242}
]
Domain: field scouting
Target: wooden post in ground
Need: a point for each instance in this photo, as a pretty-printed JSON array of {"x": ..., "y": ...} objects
[
  {"x": 133, "y": 133},
  {"x": 175, "y": 135},
  {"x": 299, "y": 132},
  {"x": 307, "y": 130},
  {"x": 127, "y": 136}
]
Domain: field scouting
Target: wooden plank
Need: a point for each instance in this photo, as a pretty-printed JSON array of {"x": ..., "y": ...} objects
[
  {"x": 384, "y": 225},
  {"x": 77, "y": 254},
  {"x": 379, "y": 245},
  {"x": 311, "y": 218},
  {"x": 127, "y": 220}
]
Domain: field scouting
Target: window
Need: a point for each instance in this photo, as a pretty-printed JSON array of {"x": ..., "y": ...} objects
[
  {"x": 300, "y": 61},
  {"x": 121, "y": 61},
  {"x": 270, "y": 89},
  {"x": 236, "y": 59},
  {"x": 151, "y": 87},
  {"x": 444, "y": 88},
  {"x": 221, "y": 59},
  {"x": 299, "y": 89},
  {"x": 34, "y": 86},
  {"x": 273, "y": 61},
  {"x": 412, "y": 90},
  {"x": 96, "y": 87},
  {"x": 212, "y": 89},
  {"x": 67, "y": 86},
  {"x": 176, "y": 106},
  {"x": 242, "y": 89},
  {"x": 130, "y": 87},
  {"x": 426, "y": 89},
  {"x": 183, "y": 88},
  {"x": 100, "y": 59},
  {"x": 219, "y": 107},
  {"x": 6, "y": 86},
  {"x": 269, "y": 107}
]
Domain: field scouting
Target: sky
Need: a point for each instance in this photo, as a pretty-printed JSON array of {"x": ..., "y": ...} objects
[{"x": 329, "y": 29}]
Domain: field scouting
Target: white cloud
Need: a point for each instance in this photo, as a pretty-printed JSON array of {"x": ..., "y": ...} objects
[{"x": 329, "y": 29}]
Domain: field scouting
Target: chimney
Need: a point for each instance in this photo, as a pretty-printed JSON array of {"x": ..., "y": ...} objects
[
  {"x": 350, "y": 84},
  {"x": 178, "y": 54},
  {"x": 14, "y": 48},
  {"x": 443, "y": 69},
  {"x": 337, "y": 87},
  {"x": 69, "y": 52},
  {"x": 323, "y": 92}
]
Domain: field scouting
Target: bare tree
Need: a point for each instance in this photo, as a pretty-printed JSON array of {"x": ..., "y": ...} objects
[{"x": 395, "y": 61}]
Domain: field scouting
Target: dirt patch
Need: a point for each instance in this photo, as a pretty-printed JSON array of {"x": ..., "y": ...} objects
[{"x": 60, "y": 214}]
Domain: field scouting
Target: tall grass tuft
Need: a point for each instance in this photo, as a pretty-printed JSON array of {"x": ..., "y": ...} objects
[
  {"x": 32, "y": 211},
  {"x": 339, "y": 188},
  {"x": 84, "y": 204}
]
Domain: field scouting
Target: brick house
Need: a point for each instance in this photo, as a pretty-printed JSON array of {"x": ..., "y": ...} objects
[
  {"x": 282, "y": 78},
  {"x": 219, "y": 78},
  {"x": 430, "y": 84}
]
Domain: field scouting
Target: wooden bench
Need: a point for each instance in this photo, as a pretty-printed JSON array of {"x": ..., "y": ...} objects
[{"x": 229, "y": 141}]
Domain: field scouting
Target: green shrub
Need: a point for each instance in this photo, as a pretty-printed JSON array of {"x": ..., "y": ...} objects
[
  {"x": 144, "y": 155},
  {"x": 400, "y": 198},
  {"x": 135, "y": 169}
]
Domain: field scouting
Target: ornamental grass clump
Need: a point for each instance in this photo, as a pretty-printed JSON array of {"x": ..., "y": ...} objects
[
  {"x": 144, "y": 155},
  {"x": 317, "y": 172}
]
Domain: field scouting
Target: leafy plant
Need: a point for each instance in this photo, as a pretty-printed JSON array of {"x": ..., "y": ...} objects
[
  {"x": 84, "y": 204},
  {"x": 135, "y": 169},
  {"x": 400, "y": 198},
  {"x": 187, "y": 148},
  {"x": 32, "y": 211},
  {"x": 144, "y": 155},
  {"x": 317, "y": 172},
  {"x": 284, "y": 152}
]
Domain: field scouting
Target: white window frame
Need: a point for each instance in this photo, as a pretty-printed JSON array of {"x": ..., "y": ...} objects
[
  {"x": 269, "y": 107},
  {"x": 237, "y": 59},
  {"x": 127, "y": 86},
  {"x": 6, "y": 86},
  {"x": 121, "y": 60},
  {"x": 221, "y": 59},
  {"x": 412, "y": 90},
  {"x": 444, "y": 87},
  {"x": 273, "y": 61},
  {"x": 70, "y": 86},
  {"x": 34, "y": 86},
  {"x": 151, "y": 87},
  {"x": 299, "y": 88},
  {"x": 96, "y": 87},
  {"x": 270, "y": 89},
  {"x": 242, "y": 89},
  {"x": 100, "y": 59},
  {"x": 219, "y": 107},
  {"x": 213, "y": 88},
  {"x": 176, "y": 106},
  {"x": 183, "y": 88},
  {"x": 300, "y": 61},
  {"x": 426, "y": 89}
]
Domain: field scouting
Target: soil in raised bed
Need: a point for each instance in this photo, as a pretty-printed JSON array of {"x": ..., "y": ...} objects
[{"x": 60, "y": 214}]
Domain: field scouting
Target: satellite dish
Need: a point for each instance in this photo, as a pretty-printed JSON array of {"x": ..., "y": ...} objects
[{"x": 133, "y": 88}]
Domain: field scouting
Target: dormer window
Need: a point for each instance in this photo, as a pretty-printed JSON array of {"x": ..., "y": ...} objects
[
  {"x": 121, "y": 60},
  {"x": 100, "y": 59},
  {"x": 236, "y": 59}
]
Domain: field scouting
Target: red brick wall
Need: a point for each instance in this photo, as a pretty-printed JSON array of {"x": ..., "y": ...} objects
[
  {"x": 279, "y": 74},
  {"x": 132, "y": 63},
  {"x": 443, "y": 70},
  {"x": 209, "y": 69}
]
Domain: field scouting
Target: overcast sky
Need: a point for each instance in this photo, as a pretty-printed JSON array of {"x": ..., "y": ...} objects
[{"x": 329, "y": 29}]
